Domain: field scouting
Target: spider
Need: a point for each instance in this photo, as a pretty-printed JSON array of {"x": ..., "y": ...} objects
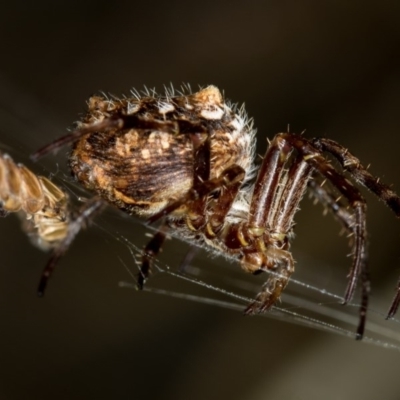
[{"x": 187, "y": 159}]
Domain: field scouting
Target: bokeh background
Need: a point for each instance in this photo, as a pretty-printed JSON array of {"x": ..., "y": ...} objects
[{"x": 330, "y": 67}]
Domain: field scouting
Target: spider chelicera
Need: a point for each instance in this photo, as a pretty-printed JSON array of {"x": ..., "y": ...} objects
[{"x": 187, "y": 159}]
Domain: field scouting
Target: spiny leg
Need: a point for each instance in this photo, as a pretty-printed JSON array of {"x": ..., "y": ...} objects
[
  {"x": 359, "y": 267},
  {"x": 281, "y": 221},
  {"x": 279, "y": 218},
  {"x": 267, "y": 184},
  {"x": 365, "y": 178},
  {"x": 360, "y": 173},
  {"x": 345, "y": 217},
  {"x": 261, "y": 208},
  {"x": 281, "y": 263},
  {"x": 85, "y": 214},
  {"x": 340, "y": 211}
]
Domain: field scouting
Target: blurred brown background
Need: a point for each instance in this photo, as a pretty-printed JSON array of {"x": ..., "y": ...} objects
[{"x": 330, "y": 67}]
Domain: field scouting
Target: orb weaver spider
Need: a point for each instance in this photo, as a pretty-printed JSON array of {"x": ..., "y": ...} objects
[{"x": 187, "y": 159}]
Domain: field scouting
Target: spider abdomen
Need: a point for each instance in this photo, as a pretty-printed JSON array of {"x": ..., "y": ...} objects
[{"x": 139, "y": 173}]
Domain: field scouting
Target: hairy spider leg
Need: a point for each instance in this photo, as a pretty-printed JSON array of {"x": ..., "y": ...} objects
[
  {"x": 347, "y": 219},
  {"x": 316, "y": 159},
  {"x": 85, "y": 214},
  {"x": 360, "y": 174},
  {"x": 339, "y": 210},
  {"x": 267, "y": 198},
  {"x": 366, "y": 179},
  {"x": 273, "y": 223}
]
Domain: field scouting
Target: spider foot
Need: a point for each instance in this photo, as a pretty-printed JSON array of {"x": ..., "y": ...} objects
[
  {"x": 395, "y": 304},
  {"x": 263, "y": 302},
  {"x": 140, "y": 281},
  {"x": 149, "y": 253},
  {"x": 283, "y": 266}
]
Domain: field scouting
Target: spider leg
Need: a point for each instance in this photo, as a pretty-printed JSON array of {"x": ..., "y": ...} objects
[
  {"x": 315, "y": 158},
  {"x": 263, "y": 202},
  {"x": 281, "y": 263},
  {"x": 341, "y": 213},
  {"x": 359, "y": 172},
  {"x": 362, "y": 176},
  {"x": 272, "y": 253},
  {"x": 151, "y": 250},
  {"x": 85, "y": 214},
  {"x": 395, "y": 303}
]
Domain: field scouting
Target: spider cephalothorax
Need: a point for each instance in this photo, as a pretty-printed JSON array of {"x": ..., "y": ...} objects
[{"x": 187, "y": 159}]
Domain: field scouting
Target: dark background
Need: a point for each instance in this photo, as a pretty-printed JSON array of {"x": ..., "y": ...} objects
[{"x": 330, "y": 67}]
